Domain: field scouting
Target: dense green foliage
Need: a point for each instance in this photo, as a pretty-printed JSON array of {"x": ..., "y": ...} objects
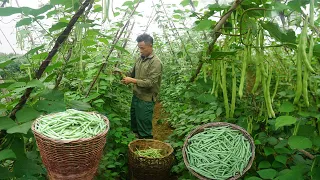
[{"x": 262, "y": 74}]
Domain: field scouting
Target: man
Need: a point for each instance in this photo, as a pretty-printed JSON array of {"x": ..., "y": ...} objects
[{"x": 146, "y": 78}]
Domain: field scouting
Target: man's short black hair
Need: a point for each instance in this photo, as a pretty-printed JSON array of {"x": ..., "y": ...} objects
[{"x": 146, "y": 38}]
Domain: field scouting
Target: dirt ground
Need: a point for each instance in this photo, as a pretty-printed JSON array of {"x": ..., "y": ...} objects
[{"x": 161, "y": 129}]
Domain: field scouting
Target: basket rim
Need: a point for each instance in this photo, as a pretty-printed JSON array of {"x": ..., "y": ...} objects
[
  {"x": 218, "y": 124},
  {"x": 59, "y": 141},
  {"x": 149, "y": 140}
]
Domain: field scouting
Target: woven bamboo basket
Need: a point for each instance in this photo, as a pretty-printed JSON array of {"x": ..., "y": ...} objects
[
  {"x": 144, "y": 168},
  {"x": 217, "y": 124},
  {"x": 71, "y": 160}
]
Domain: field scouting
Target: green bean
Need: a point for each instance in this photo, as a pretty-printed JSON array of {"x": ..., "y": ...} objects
[
  {"x": 70, "y": 125},
  {"x": 218, "y": 152},
  {"x": 224, "y": 87},
  {"x": 245, "y": 61},
  {"x": 150, "y": 152}
]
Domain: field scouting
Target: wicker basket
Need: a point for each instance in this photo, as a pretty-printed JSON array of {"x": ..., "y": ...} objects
[
  {"x": 71, "y": 160},
  {"x": 217, "y": 124},
  {"x": 144, "y": 168}
]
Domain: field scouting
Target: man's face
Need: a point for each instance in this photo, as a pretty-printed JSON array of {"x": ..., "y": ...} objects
[{"x": 145, "y": 49}]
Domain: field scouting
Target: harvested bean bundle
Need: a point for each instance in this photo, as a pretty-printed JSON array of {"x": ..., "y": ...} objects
[
  {"x": 151, "y": 153},
  {"x": 218, "y": 152},
  {"x": 70, "y": 125}
]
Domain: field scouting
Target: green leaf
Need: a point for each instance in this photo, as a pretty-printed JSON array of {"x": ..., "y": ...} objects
[
  {"x": 206, "y": 98},
  {"x": 97, "y": 8},
  {"x": 8, "y": 11},
  {"x": 5, "y": 85},
  {"x": 306, "y": 113},
  {"x": 217, "y": 7},
  {"x": 315, "y": 173},
  {"x": 286, "y": 107},
  {"x": 299, "y": 142},
  {"x": 204, "y": 25},
  {"x": 268, "y": 151},
  {"x": 35, "y": 83},
  {"x": 58, "y": 26},
  {"x": 27, "y": 114},
  {"x": 282, "y": 151},
  {"x": 2, "y": 110},
  {"x": 6, "y": 123},
  {"x": 121, "y": 49},
  {"x": 91, "y": 97},
  {"x": 316, "y": 50},
  {"x": 50, "y": 106},
  {"x": 82, "y": 106},
  {"x": 296, "y": 5},
  {"x": 78, "y": 59},
  {"x": 40, "y": 56},
  {"x": 43, "y": 9},
  {"x": 16, "y": 85},
  {"x": 128, "y": 3},
  {"x": 285, "y": 121},
  {"x": 304, "y": 130},
  {"x": 53, "y": 67},
  {"x": 264, "y": 165},
  {"x": 5, "y": 173},
  {"x": 185, "y": 3},
  {"x": 267, "y": 173},
  {"x": 278, "y": 34},
  {"x": 24, "y": 22},
  {"x": 272, "y": 141},
  {"x": 281, "y": 158},
  {"x": 7, "y": 154},
  {"x": 98, "y": 101},
  {"x": 277, "y": 165},
  {"x": 288, "y": 174},
  {"x": 53, "y": 95},
  {"x": 34, "y": 50},
  {"x": 257, "y": 142},
  {"x": 6, "y": 63},
  {"x": 86, "y": 25},
  {"x": 176, "y": 16},
  {"x": 219, "y": 54},
  {"x": 61, "y": 2},
  {"x": 32, "y": 155},
  {"x": 299, "y": 160},
  {"x": 316, "y": 141},
  {"x": 279, "y": 6},
  {"x": 18, "y": 146},
  {"x": 249, "y": 24},
  {"x": 23, "y": 128},
  {"x": 26, "y": 167}
]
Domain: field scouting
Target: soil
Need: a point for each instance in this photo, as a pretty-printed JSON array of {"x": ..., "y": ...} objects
[{"x": 161, "y": 130}]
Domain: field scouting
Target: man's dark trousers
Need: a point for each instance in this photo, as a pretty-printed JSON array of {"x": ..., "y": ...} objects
[{"x": 141, "y": 117}]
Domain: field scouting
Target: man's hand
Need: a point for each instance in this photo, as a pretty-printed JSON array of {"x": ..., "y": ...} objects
[{"x": 128, "y": 80}]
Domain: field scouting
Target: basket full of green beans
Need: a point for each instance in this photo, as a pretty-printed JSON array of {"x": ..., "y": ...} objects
[
  {"x": 71, "y": 143},
  {"x": 150, "y": 159},
  {"x": 218, "y": 150}
]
